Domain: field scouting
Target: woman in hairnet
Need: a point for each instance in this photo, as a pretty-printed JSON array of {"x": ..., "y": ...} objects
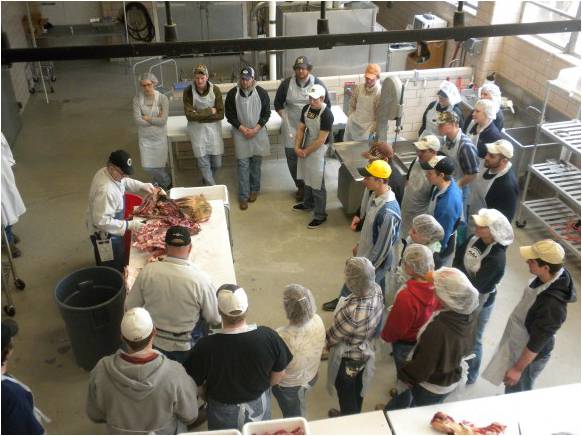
[
  {"x": 448, "y": 99},
  {"x": 490, "y": 91},
  {"x": 305, "y": 337},
  {"x": 150, "y": 112},
  {"x": 438, "y": 363},
  {"x": 349, "y": 339},
  {"x": 414, "y": 303},
  {"x": 482, "y": 259},
  {"x": 484, "y": 131}
]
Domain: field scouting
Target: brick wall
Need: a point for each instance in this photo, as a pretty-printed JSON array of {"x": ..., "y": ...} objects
[{"x": 12, "y": 14}]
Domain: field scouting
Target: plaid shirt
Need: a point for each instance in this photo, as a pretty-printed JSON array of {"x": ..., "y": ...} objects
[{"x": 355, "y": 323}]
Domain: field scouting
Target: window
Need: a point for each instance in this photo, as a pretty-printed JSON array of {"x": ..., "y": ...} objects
[
  {"x": 536, "y": 11},
  {"x": 468, "y": 6}
]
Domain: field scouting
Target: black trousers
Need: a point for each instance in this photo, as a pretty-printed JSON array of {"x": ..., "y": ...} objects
[
  {"x": 348, "y": 384},
  {"x": 118, "y": 248}
]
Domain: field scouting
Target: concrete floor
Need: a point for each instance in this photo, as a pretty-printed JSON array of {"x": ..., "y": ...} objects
[{"x": 58, "y": 151}]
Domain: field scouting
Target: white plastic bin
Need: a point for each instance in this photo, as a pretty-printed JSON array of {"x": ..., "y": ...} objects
[{"x": 273, "y": 425}]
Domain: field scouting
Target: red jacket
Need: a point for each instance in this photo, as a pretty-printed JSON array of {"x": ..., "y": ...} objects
[{"x": 412, "y": 308}]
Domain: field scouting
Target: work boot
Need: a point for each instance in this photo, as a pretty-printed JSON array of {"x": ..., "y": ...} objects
[
  {"x": 243, "y": 204},
  {"x": 299, "y": 193},
  {"x": 330, "y": 305},
  {"x": 333, "y": 413},
  {"x": 15, "y": 251},
  {"x": 253, "y": 197}
]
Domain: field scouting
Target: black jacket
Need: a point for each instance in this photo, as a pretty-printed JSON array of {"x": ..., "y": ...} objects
[
  {"x": 230, "y": 107},
  {"x": 487, "y": 136},
  {"x": 548, "y": 313},
  {"x": 456, "y": 108}
]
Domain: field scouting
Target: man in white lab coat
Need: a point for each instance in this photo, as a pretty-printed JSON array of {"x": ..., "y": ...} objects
[
  {"x": 12, "y": 204},
  {"x": 105, "y": 214}
]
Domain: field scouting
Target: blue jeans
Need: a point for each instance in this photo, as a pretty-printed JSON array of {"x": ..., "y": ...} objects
[
  {"x": 176, "y": 356},
  {"x": 9, "y": 234},
  {"x": 118, "y": 248},
  {"x": 292, "y": 165},
  {"x": 416, "y": 396},
  {"x": 400, "y": 353},
  {"x": 529, "y": 375},
  {"x": 223, "y": 416},
  {"x": 292, "y": 400},
  {"x": 160, "y": 176},
  {"x": 316, "y": 199},
  {"x": 348, "y": 384},
  {"x": 475, "y": 362},
  {"x": 208, "y": 165},
  {"x": 249, "y": 176}
]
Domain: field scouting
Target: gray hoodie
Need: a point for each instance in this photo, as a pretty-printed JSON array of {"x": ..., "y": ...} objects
[{"x": 154, "y": 397}]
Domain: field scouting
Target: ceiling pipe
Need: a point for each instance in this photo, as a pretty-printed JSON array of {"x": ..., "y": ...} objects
[
  {"x": 272, "y": 34},
  {"x": 170, "y": 31}
]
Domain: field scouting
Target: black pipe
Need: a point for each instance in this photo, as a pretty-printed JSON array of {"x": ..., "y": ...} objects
[
  {"x": 322, "y": 23},
  {"x": 170, "y": 31},
  {"x": 175, "y": 49}
]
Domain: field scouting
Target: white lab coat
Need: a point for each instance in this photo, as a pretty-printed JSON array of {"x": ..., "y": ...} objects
[
  {"x": 107, "y": 203},
  {"x": 152, "y": 137},
  {"x": 12, "y": 204}
]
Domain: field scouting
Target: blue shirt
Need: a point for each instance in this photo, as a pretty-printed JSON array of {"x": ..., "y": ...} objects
[
  {"x": 448, "y": 209},
  {"x": 18, "y": 410}
]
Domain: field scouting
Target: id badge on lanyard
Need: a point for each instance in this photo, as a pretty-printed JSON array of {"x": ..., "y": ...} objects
[{"x": 105, "y": 249}]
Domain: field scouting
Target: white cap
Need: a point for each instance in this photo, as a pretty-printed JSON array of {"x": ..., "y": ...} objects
[
  {"x": 455, "y": 290},
  {"x": 428, "y": 142},
  {"x": 316, "y": 91},
  {"x": 498, "y": 225},
  {"x": 233, "y": 301},
  {"x": 501, "y": 146},
  {"x": 136, "y": 324}
]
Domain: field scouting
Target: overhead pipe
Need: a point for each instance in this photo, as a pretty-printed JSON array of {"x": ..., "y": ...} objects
[
  {"x": 283, "y": 42},
  {"x": 272, "y": 34},
  {"x": 170, "y": 31}
]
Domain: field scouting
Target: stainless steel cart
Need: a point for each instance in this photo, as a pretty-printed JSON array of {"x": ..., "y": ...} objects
[{"x": 9, "y": 269}]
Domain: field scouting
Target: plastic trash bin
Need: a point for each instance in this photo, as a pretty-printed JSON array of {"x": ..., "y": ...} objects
[{"x": 91, "y": 303}]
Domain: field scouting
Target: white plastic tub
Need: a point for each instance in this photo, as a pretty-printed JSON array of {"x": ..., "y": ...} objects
[{"x": 287, "y": 424}]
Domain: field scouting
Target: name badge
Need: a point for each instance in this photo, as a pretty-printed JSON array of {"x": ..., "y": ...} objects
[{"x": 105, "y": 250}]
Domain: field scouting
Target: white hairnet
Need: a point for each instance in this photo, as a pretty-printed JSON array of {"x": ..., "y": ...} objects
[
  {"x": 149, "y": 76},
  {"x": 360, "y": 275},
  {"x": 494, "y": 90},
  {"x": 299, "y": 304},
  {"x": 455, "y": 290},
  {"x": 498, "y": 224},
  {"x": 452, "y": 92},
  {"x": 428, "y": 228},
  {"x": 419, "y": 258},
  {"x": 489, "y": 108}
]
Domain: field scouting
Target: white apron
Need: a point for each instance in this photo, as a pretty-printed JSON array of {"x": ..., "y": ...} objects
[
  {"x": 12, "y": 204},
  {"x": 431, "y": 126},
  {"x": 453, "y": 153},
  {"x": 248, "y": 110},
  {"x": 475, "y": 136},
  {"x": 416, "y": 197},
  {"x": 153, "y": 140},
  {"x": 362, "y": 121},
  {"x": 297, "y": 97},
  {"x": 515, "y": 336},
  {"x": 312, "y": 168},
  {"x": 206, "y": 138},
  {"x": 479, "y": 190},
  {"x": 472, "y": 259}
]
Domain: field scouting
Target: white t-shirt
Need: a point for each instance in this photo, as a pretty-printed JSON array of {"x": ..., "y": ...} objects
[{"x": 306, "y": 343}]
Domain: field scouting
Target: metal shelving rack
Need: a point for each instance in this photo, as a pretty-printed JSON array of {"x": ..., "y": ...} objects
[{"x": 560, "y": 213}]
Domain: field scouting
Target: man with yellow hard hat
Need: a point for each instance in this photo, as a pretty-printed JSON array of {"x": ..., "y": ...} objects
[
  {"x": 364, "y": 106},
  {"x": 381, "y": 228},
  {"x": 529, "y": 336}
]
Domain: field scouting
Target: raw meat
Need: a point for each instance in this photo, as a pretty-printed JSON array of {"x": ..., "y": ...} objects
[
  {"x": 446, "y": 424},
  {"x": 297, "y": 430}
]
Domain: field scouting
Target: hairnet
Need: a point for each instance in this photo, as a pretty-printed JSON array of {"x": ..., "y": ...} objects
[
  {"x": 149, "y": 76},
  {"x": 360, "y": 274},
  {"x": 455, "y": 290},
  {"x": 494, "y": 90},
  {"x": 419, "y": 258},
  {"x": 498, "y": 225},
  {"x": 489, "y": 108},
  {"x": 428, "y": 228},
  {"x": 298, "y": 303},
  {"x": 451, "y": 91}
]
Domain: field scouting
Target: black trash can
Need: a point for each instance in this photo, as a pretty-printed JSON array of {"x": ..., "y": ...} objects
[{"x": 91, "y": 304}]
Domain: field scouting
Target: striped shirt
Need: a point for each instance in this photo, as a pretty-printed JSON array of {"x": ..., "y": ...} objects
[
  {"x": 355, "y": 323},
  {"x": 466, "y": 158}
]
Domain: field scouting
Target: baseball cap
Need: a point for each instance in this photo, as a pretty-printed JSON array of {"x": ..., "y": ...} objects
[
  {"x": 546, "y": 250},
  {"x": 247, "y": 73},
  {"x": 441, "y": 164},
  {"x": 301, "y": 62},
  {"x": 178, "y": 236},
  {"x": 122, "y": 159},
  {"x": 501, "y": 146},
  {"x": 9, "y": 330},
  {"x": 316, "y": 91},
  {"x": 428, "y": 142},
  {"x": 230, "y": 302},
  {"x": 447, "y": 117},
  {"x": 377, "y": 168},
  {"x": 201, "y": 69},
  {"x": 136, "y": 324},
  {"x": 372, "y": 71}
]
